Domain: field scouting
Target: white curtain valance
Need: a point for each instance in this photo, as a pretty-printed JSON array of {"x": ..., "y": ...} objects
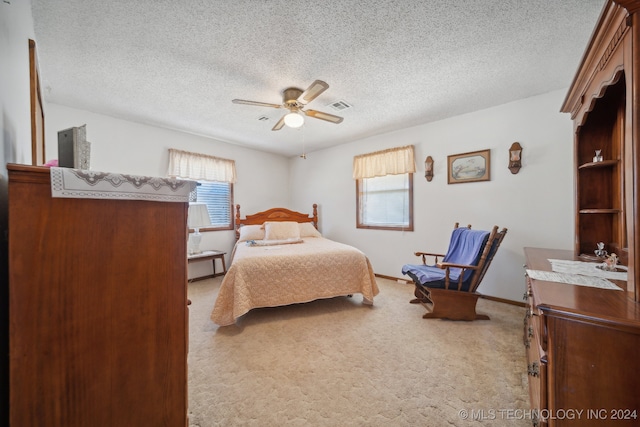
[
  {"x": 393, "y": 161},
  {"x": 185, "y": 164}
]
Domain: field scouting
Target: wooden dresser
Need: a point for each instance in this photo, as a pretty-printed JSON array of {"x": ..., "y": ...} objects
[
  {"x": 583, "y": 349},
  {"x": 97, "y": 307}
]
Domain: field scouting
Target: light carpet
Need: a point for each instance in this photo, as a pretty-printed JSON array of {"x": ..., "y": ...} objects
[{"x": 337, "y": 362}]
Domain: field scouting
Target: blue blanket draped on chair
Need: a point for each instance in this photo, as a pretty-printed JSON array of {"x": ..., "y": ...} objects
[{"x": 465, "y": 248}]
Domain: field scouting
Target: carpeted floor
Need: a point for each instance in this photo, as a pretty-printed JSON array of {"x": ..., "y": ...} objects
[{"x": 340, "y": 363}]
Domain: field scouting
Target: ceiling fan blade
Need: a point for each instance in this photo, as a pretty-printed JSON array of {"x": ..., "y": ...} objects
[
  {"x": 258, "y": 104},
  {"x": 312, "y": 92},
  {"x": 280, "y": 124},
  {"x": 323, "y": 116}
]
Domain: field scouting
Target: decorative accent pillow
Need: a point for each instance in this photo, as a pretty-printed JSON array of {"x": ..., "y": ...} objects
[
  {"x": 281, "y": 230},
  {"x": 308, "y": 230},
  {"x": 273, "y": 242},
  {"x": 251, "y": 232}
]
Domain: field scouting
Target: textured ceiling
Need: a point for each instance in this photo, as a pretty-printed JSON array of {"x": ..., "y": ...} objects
[{"x": 398, "y": 63}]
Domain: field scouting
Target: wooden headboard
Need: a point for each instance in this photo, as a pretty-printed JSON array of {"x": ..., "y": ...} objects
[{"x": 276, "y": 214}]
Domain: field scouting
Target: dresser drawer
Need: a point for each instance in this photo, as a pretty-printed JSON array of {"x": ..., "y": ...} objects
[{"x": 534, "y": 335}]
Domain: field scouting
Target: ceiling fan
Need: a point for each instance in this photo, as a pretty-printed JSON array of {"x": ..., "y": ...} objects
[{"x": 295, "y": 100}]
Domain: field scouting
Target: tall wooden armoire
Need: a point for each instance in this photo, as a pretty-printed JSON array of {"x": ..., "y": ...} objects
[
  {"x": 604, "y": 103},
  {"x": 98, "y": 308}
]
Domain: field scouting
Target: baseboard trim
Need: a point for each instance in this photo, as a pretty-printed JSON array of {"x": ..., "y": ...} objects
[
  {"x": 503, "y": 300},
  {"x": 489, "y": 297},
  {"x": 395, "y": 279}
]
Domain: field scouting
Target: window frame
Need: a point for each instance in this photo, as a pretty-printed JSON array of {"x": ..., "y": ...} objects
[
  {"x": 231, "y": 218},
  {"x": 377, "y": 227}
]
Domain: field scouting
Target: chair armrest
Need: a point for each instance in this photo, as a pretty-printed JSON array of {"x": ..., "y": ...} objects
[
  {"x": 426, "y": 254},
  {"x": 444, "y": 265},
  {"x": 447, "y": 265}
]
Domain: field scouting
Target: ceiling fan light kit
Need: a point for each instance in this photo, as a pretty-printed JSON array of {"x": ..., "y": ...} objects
[
  {"x": 294, "y": 120},
  {"x": 295, "y": 100}
]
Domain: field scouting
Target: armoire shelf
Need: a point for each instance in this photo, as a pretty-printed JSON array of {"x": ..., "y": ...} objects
[
  {"x": 602, "y": 164},
  {"x": 599, "y": 211}
]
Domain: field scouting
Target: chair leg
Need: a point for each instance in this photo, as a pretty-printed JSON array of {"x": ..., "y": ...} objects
[
  {"x": 421, "y": 297},
  {"x": 454, "y": 305}
]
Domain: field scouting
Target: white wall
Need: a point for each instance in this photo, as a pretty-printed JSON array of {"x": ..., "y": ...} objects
[
  {"x": 16, "y": 28},
  {"x": 126, "y": 147},
  {"x": 536, "y": 205}
]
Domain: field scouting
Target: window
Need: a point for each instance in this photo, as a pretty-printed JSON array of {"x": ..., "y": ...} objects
[
  {"x": 215, "y": 178},
  {"x": 385, "y": 202},
  {"x": 384, "y": 189},
  {"x": 219, "y": 199}
]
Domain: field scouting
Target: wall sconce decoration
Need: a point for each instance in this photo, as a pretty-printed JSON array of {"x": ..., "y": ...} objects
[
  {"x": 515, "y": 158},
  {"x": 428, "y": 168}
]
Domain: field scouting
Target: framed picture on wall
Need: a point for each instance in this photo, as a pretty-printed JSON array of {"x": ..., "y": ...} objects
[{"x": 469, "y": 167}]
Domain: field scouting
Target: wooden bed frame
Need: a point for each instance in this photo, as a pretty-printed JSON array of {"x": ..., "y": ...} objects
[{"x": 275, "y": 214}]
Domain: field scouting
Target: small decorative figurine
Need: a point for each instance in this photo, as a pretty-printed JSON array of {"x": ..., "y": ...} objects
[
  {"x": 611, "y": 262},
  {"x": 598, "y": 157},
  {"x": 600, "y": 252}
]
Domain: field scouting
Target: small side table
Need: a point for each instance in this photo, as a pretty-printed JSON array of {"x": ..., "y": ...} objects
[{"x": 205, "y": 256}]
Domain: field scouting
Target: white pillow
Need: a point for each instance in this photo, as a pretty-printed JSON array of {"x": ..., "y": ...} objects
[
  {"x": 308, "y": 230},
  {"x": 251, "y": 232},
  {"x": 281, "y": 230}
]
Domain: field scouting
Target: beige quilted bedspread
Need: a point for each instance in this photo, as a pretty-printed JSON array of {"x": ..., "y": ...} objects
[{"x": 271, "y": 276}]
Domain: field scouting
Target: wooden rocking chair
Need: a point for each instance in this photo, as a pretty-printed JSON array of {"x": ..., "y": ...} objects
[{"x": 447, "y": 289}]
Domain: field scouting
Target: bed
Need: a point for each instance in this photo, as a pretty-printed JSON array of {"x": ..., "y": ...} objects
[{"x": 280, "y": 258}]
